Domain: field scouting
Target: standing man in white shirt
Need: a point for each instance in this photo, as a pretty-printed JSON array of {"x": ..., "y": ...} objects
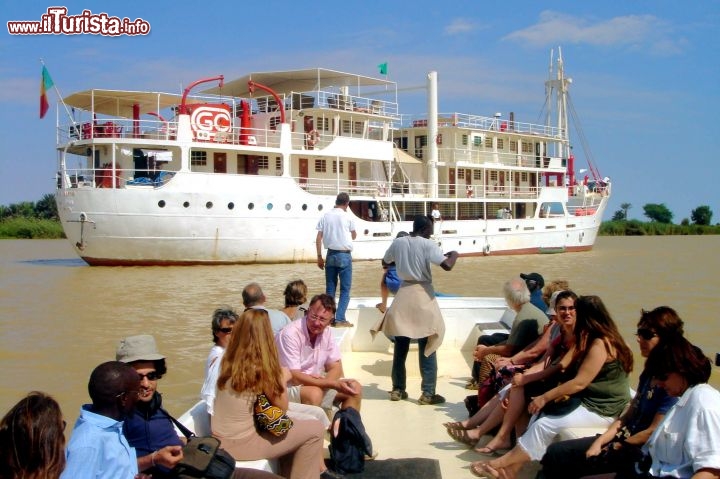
[{"x": 336, "y": 230}]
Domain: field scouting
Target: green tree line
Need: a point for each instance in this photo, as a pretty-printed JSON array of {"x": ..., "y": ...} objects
[
  {"x": 30, "y": 219},
  {"x": 660, "y": 222}
]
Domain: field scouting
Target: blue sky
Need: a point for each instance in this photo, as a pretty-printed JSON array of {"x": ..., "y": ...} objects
[{"x": 646, "y": 74}]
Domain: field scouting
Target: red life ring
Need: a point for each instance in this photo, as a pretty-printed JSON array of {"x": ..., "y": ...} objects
[{"x": 312, "y": 138}]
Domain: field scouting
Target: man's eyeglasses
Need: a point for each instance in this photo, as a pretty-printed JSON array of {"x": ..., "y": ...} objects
[
  {"x": 151, "y": 376},
  {"x": 646, "y": 334},
  {"x": 225, "y": 330},
  {"x": 317, "y": 317},
  {"x": 125, "y": 393}
]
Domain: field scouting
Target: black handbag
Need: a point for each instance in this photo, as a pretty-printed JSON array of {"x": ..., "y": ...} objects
[{"x": 203, "y": 458}]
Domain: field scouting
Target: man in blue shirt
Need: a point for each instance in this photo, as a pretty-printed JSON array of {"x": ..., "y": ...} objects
[
  {"x": 97, "y": 447},
  {"x": 535, "y": 284}
]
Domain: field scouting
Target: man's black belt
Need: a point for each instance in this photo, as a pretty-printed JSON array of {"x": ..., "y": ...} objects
[{"x": 338, "y": 250}]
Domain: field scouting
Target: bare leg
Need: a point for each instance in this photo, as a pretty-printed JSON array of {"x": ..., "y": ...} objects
[
  {"x": 382, "y": 306},
  {"x": 478, "y": 418},
  {"x": 516, "y": 406}
]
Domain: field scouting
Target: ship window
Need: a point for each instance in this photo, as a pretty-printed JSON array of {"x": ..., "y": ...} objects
[
  {"x": 251, "y": 206},
  {"x": 278, "y": 163},
  {"x": 320, "y": 166},
  {"x": 209, "y": 205},
  {"x": 488, "y": 142},
  {"x": 346, "y": 126},
  {"x": 263, "y": 163},
  {"x": 500, "y": 143},
  {"x": 186, "y": 204},
  {"x": 358, "y": 126},
  {"x": 477, "y": 174},
  {"x": 335, "y": 163},
  {"x": 304, "y": 207},
  {"x": 524, "y": 176},
  {"x": 161, "y": 203},
  {"x": 477, "y": 141},
  {"x": 287, "y": 206},
  {"x": 493, "y": 176},
  {"x": 513, "y": 147},
  {"x": 320, "y": 207},
  {"x": 322, "y": 124},
  {"x": 461, "y": 174},
  {"x": 269, "y": 206},
  {"x": 464, "y": 140},
  {"x": 527, "y": 147},
  {"x": 231, "y": 205},
  {"x": 198, "y": 158}
]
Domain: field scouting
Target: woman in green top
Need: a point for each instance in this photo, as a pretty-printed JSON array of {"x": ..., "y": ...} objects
[{"x": 594, "y": 394}]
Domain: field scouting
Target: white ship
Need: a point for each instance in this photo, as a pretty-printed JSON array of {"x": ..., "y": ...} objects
[{"x": 241, "y": 171}]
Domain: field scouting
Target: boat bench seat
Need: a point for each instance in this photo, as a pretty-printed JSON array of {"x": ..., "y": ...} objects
[{"x": 197, "y": 420}]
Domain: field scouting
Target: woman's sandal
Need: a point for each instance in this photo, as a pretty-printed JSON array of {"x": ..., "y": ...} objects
[
  {"x": 457, "y": 425},
  {"x": 461, "y": 435},
  {"x": 489, "y": 451},
  {"x": 484, "y": 469}
]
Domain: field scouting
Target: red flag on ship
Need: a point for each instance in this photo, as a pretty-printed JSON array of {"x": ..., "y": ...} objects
[{"x": 45, "y": 84}]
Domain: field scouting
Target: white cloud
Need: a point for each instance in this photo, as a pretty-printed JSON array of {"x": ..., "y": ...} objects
[
  {"x": 458, "y": 26},
  {"x": 644, "y": 32}
]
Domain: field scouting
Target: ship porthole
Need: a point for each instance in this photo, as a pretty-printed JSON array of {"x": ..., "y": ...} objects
[
  {"x": 209, "y": 205},
  {"x": 186, "y": 204},
  {"x": 251, "y": 206},
  {"x": 269, "y": 206},
  {"x": 304, "y": 207},
  {"x": 320, "y": 207},
  {"x": 287, "y": 206},
  {"x": 231, "y": 205},
  {"x": 161, "y": 203}
]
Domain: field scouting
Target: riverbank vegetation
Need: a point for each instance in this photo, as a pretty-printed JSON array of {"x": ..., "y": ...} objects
[{"x": 40, "y": 220}]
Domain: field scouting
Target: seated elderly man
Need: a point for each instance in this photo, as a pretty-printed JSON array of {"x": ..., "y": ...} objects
[{"x": 307, "y": 348}]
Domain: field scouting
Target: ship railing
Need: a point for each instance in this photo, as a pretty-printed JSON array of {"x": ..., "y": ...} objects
[
  {"x": 107, "y": 177},
  {"x": 476, "y": 157},
  {"x": 484, "y": 123}
]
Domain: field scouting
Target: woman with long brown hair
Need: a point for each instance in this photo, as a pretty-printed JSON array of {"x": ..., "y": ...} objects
[
  {"x": 32, "y": 441},
  {"x": 593, "y": 392},
  {"x": 250, "y": 366}
]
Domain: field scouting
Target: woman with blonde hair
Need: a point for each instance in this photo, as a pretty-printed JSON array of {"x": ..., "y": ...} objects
[
  {"x": 250, "y": 366},
  {"x": 32, "y": 441}
]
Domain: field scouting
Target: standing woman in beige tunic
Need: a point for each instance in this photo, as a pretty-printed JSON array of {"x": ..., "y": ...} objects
[{"x": 414, "y": 313}]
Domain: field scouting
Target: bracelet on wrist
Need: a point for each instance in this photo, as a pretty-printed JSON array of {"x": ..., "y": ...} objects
[{"x": 152, "y": 458}]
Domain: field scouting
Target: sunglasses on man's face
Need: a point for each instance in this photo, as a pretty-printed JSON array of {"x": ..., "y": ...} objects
[
  {"x": 225, "y": 330},
  {"x": 646, "y": 334},
  {"x": 151, "y": 376}
]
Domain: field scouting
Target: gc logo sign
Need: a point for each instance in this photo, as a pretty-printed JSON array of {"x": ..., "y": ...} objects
[{"x": 207, "y": 120}]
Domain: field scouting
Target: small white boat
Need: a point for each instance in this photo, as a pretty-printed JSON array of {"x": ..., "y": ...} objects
[{"x": 242, "y": 171}]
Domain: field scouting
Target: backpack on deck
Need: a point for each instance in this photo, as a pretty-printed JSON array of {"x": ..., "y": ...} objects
[{"x": 349, "y": 444}]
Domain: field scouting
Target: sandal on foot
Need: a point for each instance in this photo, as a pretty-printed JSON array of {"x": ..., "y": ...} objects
[
  {"x": 458, "y": 425},
  {"x": 484, "y": 469},
  {"x": 489, "y": 451},
  {"x": 380, "y": 307},
  {"x": 461, "y": 435}
]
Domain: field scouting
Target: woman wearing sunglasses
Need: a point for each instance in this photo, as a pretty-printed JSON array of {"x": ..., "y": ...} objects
[
  {"x": 686, "y": 444},
  {"x": 618, "y": 448},
  {"x": 223, "y": 321}
]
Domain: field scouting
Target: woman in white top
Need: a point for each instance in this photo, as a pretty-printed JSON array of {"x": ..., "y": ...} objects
[{"x": 223, "y": 321}]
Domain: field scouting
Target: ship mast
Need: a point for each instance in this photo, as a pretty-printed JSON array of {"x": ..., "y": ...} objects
[{"x": 557, "y": 87}]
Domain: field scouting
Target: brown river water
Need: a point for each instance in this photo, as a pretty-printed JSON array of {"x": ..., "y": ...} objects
[{"x": 59, "y": 318}]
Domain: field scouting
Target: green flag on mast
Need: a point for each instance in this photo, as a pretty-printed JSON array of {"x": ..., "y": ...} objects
[{"x": 383, "y": 68}]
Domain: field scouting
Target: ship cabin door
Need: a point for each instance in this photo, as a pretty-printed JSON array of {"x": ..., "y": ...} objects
[
  {"x": 220, "y": 162},
  {"x": 451, "y": 181},
  {"x": 352, "y": 174},
  {"x": 303, "y": 166}
]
